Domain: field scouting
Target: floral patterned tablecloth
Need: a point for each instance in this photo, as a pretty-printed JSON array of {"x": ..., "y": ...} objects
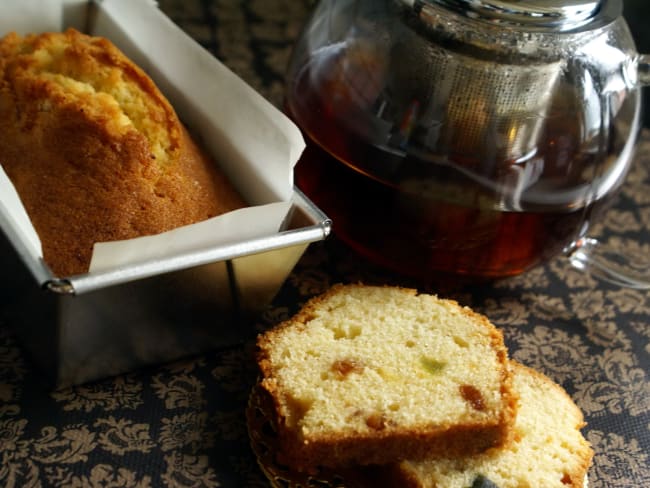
[{"x": 183, "y": 424}]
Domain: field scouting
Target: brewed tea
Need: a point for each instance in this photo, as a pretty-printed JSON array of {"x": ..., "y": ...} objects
[{"x": 427, "y": 211}]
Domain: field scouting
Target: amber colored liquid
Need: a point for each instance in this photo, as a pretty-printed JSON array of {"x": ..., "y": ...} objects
[{"x": 455, "y": 229}]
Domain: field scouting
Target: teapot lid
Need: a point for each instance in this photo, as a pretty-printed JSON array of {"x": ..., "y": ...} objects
[{"x": 558, "y": 15}]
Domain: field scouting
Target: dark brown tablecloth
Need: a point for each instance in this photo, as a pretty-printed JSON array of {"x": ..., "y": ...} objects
[{"x": 183, "y": 424}]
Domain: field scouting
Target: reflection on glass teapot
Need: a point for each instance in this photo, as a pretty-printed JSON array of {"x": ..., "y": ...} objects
[{"x": 465, "y": 138}]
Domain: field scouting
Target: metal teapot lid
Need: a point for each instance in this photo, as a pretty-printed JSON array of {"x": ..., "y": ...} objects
[{"x": 557, "y": 15}]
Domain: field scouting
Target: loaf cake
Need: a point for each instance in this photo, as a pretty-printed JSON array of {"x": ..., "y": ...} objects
[
  {"x": 547, "y": 450},
  {"x": 94, "y": 149},
  {"x": 371, "y": 375}
]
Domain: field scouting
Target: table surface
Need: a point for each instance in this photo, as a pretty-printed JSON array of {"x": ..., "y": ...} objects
[{"x": 183, "y": 424}]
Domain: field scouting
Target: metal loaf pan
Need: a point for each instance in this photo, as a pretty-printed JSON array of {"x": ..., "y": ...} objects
[
  {"x": 85, "y": 327},
  {"x": 92, "y": 326}
]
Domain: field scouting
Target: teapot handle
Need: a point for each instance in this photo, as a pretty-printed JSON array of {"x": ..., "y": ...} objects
[
  {"x": 631, "y": 270},
  {"x": 602, "y": 260}
]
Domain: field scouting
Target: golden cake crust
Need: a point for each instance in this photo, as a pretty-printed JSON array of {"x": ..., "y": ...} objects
[
  {"x": 95, "y": 150},
  {"x": 385, "y": 439}
]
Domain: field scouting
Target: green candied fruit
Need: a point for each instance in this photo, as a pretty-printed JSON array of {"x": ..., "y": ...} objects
[
  {"x": 432, "y": 366},
  {"x": 482, "y": 482}
]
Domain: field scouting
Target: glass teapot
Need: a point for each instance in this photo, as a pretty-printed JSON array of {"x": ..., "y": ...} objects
[{"x": 471, "y": 139}]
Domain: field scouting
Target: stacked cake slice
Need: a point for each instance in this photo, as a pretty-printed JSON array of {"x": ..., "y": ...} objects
[{"x": 415, "y": 391}]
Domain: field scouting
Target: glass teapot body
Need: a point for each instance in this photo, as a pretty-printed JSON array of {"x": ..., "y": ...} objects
[{"x": 445, "y": 141}]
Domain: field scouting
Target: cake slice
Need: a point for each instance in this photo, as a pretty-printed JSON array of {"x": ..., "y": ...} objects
[
  {"x": 548, "y": 449},
  {"x": 373, "y": 375}
]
